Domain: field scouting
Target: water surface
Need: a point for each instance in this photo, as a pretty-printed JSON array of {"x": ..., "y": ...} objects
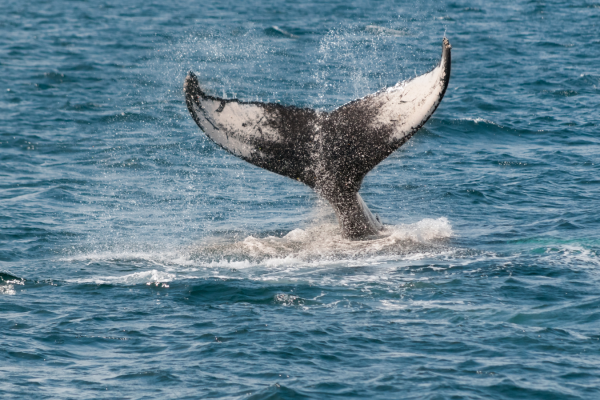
[{"x": 139, "y": 260}]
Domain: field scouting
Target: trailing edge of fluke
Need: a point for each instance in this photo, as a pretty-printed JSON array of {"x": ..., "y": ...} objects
[{"x": 329, "y": 151}]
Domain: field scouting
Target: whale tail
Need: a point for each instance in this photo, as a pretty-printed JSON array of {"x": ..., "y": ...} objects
[{"x": 328, "y": 151}]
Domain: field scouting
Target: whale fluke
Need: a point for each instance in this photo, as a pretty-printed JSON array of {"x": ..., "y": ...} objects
[{"x": 329, "y": 151}]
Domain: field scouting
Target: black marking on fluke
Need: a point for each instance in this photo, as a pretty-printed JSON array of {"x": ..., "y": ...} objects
[{"x": 329, "y": 151}]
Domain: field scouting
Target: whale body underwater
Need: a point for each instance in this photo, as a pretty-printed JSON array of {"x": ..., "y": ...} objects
[{"x": 329, "y": 151}]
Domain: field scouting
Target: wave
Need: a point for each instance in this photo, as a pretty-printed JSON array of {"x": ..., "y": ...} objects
[
  {"x": 8, "y": 282},
  {"x": 277, "y": 30}
]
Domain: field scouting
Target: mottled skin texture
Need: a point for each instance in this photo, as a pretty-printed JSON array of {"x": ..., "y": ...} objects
[{"x": 329, "y": 151}]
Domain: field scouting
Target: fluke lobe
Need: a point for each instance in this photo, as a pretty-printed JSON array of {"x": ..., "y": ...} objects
[{"x": 329, "y": 151}]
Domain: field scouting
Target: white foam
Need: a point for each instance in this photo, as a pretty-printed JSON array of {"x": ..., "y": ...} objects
[
  {"x": 156, "y": 256},
  {"x": 479, "y": 120},
  {"x": 431, "y": 304},
  {"x": 8, "y": 287},
  {"x": 573, "y": 255},
  {"x": 295, "y": 256},
  {"x": 153, "y": 276}
]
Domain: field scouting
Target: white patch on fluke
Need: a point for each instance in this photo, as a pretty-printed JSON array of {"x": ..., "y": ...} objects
[
  {"x": 234, "y": 125},
  {"x": 408, "y": 104}
]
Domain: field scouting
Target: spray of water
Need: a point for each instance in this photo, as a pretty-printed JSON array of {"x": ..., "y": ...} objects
[{"x": 209, "y": 203}]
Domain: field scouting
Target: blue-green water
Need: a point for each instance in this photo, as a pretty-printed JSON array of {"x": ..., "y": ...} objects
[{"x": 142, "y": 261}]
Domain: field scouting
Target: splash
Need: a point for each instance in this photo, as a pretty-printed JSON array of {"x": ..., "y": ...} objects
[
  {"x": 381, "y": 30},
  {"x": 8, "y": 282},
  {"x": 323, "y": 242},
  {"x": 295, "y": 255}
]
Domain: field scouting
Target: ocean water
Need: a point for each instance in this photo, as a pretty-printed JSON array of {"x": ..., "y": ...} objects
[{"x": 140, "y": 261}]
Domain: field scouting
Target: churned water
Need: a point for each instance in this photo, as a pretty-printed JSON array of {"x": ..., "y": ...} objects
[{"x": 139, "y": 260}]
